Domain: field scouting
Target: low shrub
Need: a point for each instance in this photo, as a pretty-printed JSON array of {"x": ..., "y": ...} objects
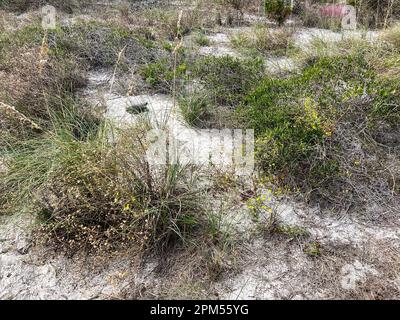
[
  {"x": 162, "y": 74},
  {"x": 279, "y": 10},
  {"x": 314, "y": 130},
  {"x": 226, "y": 79},
  {"x": 288, "y": 129},
  {"x": 100, "y": 44}
]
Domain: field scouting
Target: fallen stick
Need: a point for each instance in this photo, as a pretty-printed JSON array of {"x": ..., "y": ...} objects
[{"x": 10, "y": 113}]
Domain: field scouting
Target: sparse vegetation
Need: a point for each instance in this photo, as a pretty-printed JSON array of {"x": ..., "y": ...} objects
[
  {"x": 166, "y": 21},
  {"x": 68, "y": 6},
  {"x": 370, "y": 13},
  {"x": 51, "y": 67},
  {"x": 376, "y": 14},
  {"x": 264, "y": 41},
  {"x": 77, "y": 104}
]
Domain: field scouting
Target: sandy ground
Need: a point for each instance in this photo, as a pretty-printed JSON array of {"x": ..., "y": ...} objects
[
  {"x": 356, "y": 260},
  {"x": 220, "y": 44}
]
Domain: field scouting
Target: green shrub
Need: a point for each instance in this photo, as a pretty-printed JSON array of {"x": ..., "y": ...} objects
[
  {"x": 227, "y": 79},
  {"x": 279, "y": 10},
  {"x": 308, "y": 126},
  {"x": 288, "y": 128},
  {"x": 160, "y": 75}
]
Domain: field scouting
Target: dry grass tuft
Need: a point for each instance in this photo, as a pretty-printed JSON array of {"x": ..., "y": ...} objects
[
  {"x": 392, "y": 36},
  {"x": 264, "y": 41}
]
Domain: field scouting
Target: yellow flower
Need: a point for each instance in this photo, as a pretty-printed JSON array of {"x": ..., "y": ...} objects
[{"x": 328, "y": 133}]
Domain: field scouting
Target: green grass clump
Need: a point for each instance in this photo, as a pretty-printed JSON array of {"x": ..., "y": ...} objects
[
  {"x": 313, "y": 19},
  {"x": 392, "y": 36},
  {"x": 226, "y": 79},
  {"x": 170, "y": 23},
  {"x": 161, "y": 76},
  {"x": 93, "y": 193},
  {"x": 196, "y": 110},
  {"x": 201, "y": 39},
  {"x": 35, "y": 79}
]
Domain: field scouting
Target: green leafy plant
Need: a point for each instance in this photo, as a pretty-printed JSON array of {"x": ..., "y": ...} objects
[
  {"x": 227, "y": 79},
  {"x": 160, "y": 74},
  {"x": 301, "y": 123},
  {"x": 313, "y": 249},
  {"x": 279, "y": 10}
]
